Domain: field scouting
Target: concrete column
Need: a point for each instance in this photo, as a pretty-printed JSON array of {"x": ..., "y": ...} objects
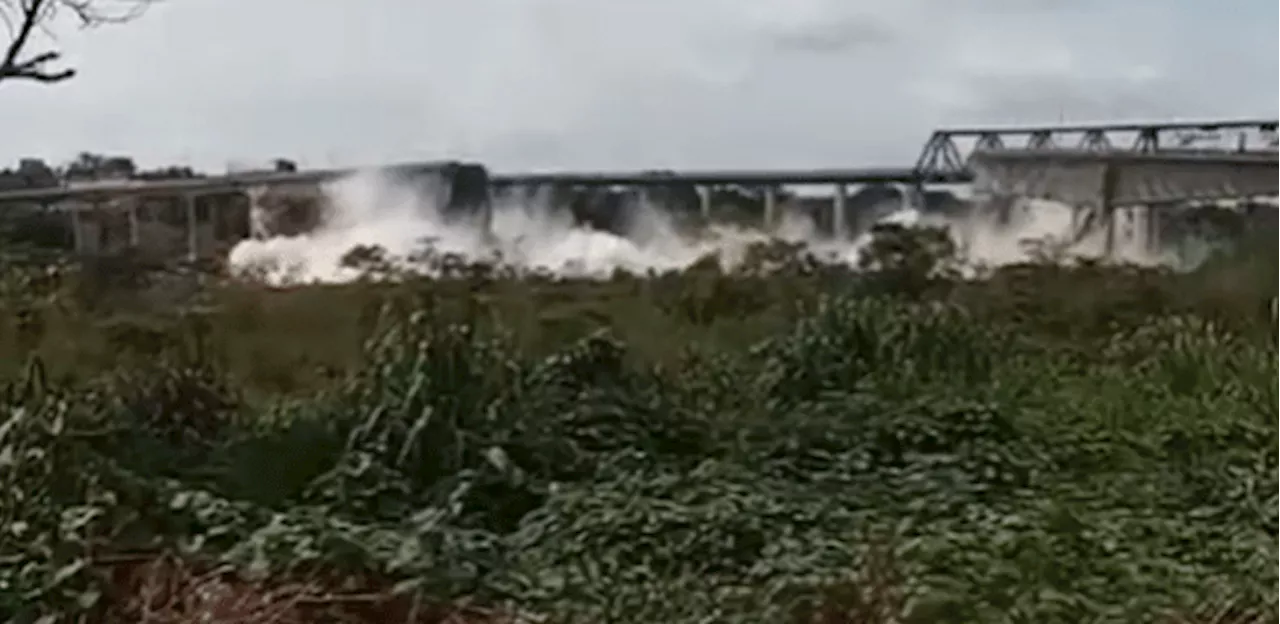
[
  {"x": 839, "y": 229},
  {"x": 1002, "y": 209},
  {"x": 257, "y": 212},
  {"x": 1107, "y": 211},
  {"x": 193, "y": 227},
  {"x": 131, "y": 209},
  {"x": 1124, "y": 226},
  {"x": 770, "y": 208},
  {"x": 915, "y": 197},
  {"x": 704, "y": 202},
  {"x": 486, "y": 216},
  {"x": 77, "y": 228},
  {"x": 1152, "y": 227},
  {"x": 104, "y": 241}
]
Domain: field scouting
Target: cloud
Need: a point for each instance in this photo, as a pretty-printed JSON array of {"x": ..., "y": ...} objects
[
  {"x": 836, "y": 36},
  {"x": 611, "y": 84}
]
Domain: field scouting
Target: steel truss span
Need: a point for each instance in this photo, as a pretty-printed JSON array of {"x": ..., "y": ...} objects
[{"x": 943, "y": 156}]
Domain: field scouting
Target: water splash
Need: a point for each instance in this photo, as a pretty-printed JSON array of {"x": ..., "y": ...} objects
[{"x": 369, "y": 210}]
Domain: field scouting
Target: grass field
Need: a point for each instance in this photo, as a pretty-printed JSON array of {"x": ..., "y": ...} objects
[{"x": 788, "y": 443}]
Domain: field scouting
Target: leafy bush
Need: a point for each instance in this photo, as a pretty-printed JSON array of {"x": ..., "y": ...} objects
[{"x": 633, "y": 450}]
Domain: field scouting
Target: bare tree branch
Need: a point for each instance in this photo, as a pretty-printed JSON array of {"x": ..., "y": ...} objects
[{"x": 23, "y": 17}]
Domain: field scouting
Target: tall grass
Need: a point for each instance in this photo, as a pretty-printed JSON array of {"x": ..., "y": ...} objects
[{"x": 1048, "y": 444}]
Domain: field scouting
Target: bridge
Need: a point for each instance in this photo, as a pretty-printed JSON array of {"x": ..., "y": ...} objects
[
  {"x": 1095, "y": 167},
  {"x": 1100, "y": 177},
  {"x": 1149, "y": 170}
]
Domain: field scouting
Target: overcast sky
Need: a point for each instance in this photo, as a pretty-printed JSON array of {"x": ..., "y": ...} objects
[{"x": 600, "y": 84}]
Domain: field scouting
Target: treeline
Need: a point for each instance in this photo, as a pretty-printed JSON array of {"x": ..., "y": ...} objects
[{"x": 35, "y": 173}]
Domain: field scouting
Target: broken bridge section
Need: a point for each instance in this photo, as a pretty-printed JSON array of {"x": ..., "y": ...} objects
[
  {"x": 1110, "y": 164},
  {"x": 1143, "y": 170},
  {"x": 1122, "y": 178}
]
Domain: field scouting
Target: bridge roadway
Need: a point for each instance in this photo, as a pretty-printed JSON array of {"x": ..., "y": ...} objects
[
  {"x": 749, "y": 177},
  {"x": 206, "y": 185},
  {"x": 246, "y": 181}
]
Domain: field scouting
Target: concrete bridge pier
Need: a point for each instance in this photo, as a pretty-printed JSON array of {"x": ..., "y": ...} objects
[
  {"x": 1152, "y": 222},
  {"x": 643, "y": 196},
  {"x": 914, "y": 196},
  {"x": 839, "y": 204},
  {"x": 1094, "y": 218},
  {"x": 1000, "y": 208},
  {"x": 486, "y": 218},
  {"x": 77, "y": 232},
  {"x": 770, "y": 208},
  {"x": 96, "y": 211},
  {"x": 1091, "y": 221},
  {"x": 192, "y": 227},
  {"x": 1108, "y": 216},
  {"x": 131, "y": 212},
  {"x": 257, "y": 212},
  {"x": 1107, "y": 208},
  {"x": 704, "y": 201}
]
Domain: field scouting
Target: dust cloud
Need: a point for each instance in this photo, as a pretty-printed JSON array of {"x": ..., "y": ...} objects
[{"x": 530, "y": 234}]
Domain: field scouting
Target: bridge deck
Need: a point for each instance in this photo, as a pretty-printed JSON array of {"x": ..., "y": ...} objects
[
  {"x": 244, "y": 181},
  {"x": 233, "y": 182},
  {"x": 730, "y": 177}
]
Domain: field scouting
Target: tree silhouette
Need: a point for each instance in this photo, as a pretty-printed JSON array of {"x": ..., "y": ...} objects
[{"x": 22, "y": 18}]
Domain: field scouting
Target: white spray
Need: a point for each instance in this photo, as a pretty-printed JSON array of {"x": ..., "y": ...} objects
[{"x": 369, "y": 210}]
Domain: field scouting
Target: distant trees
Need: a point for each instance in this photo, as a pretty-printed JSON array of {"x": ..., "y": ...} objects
[
  {"x": 90, "y": 166},
  {"x": 30, "y": 173},
  {"x": 34, "y": 173},
  {"x": 22, "y": 18}
]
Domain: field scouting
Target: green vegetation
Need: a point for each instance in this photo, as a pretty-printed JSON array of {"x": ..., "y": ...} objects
[{"x": 788, "y": 443}]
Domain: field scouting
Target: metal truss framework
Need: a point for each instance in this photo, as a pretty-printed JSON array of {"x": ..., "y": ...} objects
[{"x": 943, "y": 158}]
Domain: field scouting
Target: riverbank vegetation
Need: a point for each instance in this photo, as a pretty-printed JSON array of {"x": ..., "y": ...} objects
[{"x": 788, "y": 442}]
